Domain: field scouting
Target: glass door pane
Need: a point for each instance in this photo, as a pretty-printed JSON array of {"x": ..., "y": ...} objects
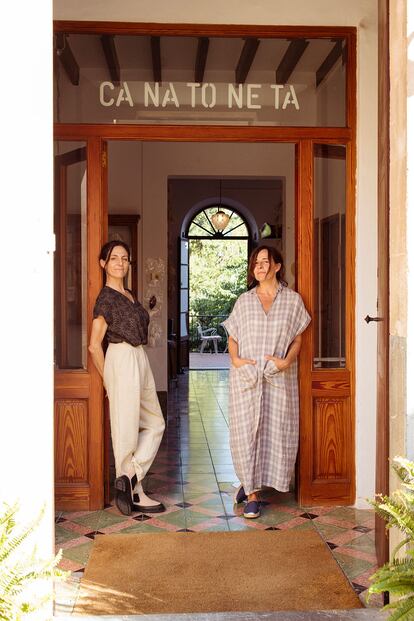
[
  {"x": 71, "y": 255},
  {"x": 329, "y": 255}
]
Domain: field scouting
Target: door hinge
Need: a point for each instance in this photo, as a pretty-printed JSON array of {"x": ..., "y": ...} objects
[{"x": 103, "y": 159}]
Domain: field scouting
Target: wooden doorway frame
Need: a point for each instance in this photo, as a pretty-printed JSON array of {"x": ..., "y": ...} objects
[
  {"x": 383, "y": 330},
  {"x": 312, "y": 383}
]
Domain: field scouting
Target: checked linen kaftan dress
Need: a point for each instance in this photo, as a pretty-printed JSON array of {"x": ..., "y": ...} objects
[{"x": 264, "y": 402}]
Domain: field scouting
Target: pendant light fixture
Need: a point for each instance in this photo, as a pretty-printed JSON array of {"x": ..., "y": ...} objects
[{"x": 220, "y": 219}]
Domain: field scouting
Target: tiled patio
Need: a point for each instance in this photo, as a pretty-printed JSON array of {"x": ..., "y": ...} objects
[{"x": 193, "y": 475}]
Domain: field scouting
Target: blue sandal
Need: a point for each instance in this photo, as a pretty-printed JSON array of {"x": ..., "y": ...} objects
[
  {"x": 252, "y": 510},
  {"x": 240, "y": 495}
]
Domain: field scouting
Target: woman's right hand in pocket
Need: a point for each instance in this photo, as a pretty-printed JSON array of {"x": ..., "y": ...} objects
[{"x": 240, "y": 362}]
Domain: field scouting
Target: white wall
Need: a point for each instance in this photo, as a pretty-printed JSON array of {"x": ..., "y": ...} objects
[
  {"x": 26, "y": 314},
  {"x": 363, "y": 15},
  {"x": 410, "y": 231},
  {"x": 296, "y": 12}
]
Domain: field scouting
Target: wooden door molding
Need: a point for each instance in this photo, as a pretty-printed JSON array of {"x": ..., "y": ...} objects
[
  {"x": 78, "y": 393},
  {"x": 383, "y": 423},
  {"x": 327, "y": 401},
  {"x": 199, "y": 30},
  {"x": 327, "y": 395},
  {"x": 202, "y": 133}
]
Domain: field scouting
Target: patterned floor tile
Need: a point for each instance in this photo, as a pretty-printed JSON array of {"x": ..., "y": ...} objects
[
  {"x": 357, "y": 554},
  {"x": 211, "y": 525},
  {"x": 68, "y": 565},
  {"x": 363, "y": 543},
  {"x": 223, "y": 478},
  {"x": 194, "y": 517},
  {"x": 200, "y": 480},
  {"x": 193, "y": 476},
  {"x": 78, "y": 554},
  {"x": 207, "y": 499},
  {"x": 116, "y": 528},
  {"x": 345, "y": 538},
  {"x": 62, "y": 534},
  {"x": 192, "y": 491},
  {"x": 228, "y": 488},
  {"x": 196, "y": 460},
  {"x": 224, "y": 464},
  {"x": 335, "y": 521},
  {"x": 132, "y": 529},
  {"x": 213, "y": 510},
  {"x": 357, "y": 516},
  {"x": 176, "y": 518},
  {"x": 207, "y": 468},
  {"x": 148, "y": 527},
  {"x": 110, "y": 518},
  {"x": 352, "y": 567},
  {"x": 91, "y": 520},
  {"x": 328, "y": 531},
  {"x": 240, "y": 523},
  {"x": 364, "y": 578}
]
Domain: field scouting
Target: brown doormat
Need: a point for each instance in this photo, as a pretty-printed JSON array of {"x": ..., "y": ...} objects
[{"x": 212, "y": 572}]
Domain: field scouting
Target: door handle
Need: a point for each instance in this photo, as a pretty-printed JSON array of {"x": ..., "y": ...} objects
[{"x": 368, "y": 319}]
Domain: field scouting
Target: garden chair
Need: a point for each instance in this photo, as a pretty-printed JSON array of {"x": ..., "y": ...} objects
[{"x": 209, "y": 335}]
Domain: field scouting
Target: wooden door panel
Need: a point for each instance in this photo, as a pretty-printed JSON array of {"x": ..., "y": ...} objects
[
  {"x": 325, "y": 244},
  {"x": 331, "y": 425},
  {"x": 71, "y": 433},
  {"x": 78, "y": 391}
]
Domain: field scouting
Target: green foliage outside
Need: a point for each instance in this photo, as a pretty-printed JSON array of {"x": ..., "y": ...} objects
[
  {"x": 218, "y": 275},
  {"x": 20, "y": 571},
  {"x": 397, "y": 576}
]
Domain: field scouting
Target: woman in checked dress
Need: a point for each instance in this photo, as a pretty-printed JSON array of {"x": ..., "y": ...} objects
[{"x": 265, "y": 329}]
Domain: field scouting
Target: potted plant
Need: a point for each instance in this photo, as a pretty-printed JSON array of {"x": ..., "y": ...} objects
[
  {"x": 19, "y": 570},
  {"x": 397, "y": 576}
]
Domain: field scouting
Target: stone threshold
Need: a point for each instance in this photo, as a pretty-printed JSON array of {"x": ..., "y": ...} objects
[{"x": 358, "y": 614}]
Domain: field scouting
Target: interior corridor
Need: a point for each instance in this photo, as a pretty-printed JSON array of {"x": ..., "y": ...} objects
[{"x": 193, "y": 476}]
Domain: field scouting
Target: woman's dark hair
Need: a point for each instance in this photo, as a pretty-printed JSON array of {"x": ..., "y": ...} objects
[
  {"x": 272, "y": 253},
  {"x": 107, "y": 249}
]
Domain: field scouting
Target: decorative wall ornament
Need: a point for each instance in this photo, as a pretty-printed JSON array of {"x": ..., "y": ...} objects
[{"x": 154, "y": 297}]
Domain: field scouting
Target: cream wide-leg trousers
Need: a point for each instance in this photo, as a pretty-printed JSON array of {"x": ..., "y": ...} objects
[{"x": 137, "y": 423}]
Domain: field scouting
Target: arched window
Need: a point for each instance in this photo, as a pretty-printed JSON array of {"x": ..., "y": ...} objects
[{"x": 218, "y": 222}]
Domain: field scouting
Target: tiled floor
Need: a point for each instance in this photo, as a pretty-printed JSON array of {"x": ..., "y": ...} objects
[
  {"x": 209, "y": 361},
  {"x": 193, "y": 475}
]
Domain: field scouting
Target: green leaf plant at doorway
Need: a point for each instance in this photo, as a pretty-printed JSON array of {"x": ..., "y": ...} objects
[{"x": 270, "y": 231}]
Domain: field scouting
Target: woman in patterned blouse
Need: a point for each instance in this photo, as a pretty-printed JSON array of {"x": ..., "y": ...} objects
[
  {"x": 137, "y": 423},
  {"x": 264, "y": 328}
]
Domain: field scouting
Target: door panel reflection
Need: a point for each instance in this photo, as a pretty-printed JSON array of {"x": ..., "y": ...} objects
[
  {"x": 70, "y": 258},
  {"x": 329, "y": 255}
]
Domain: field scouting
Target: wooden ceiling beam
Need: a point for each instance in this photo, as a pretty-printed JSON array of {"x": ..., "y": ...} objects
[
  {"x": 111, "y": 57},
  {"x": 246, "y": 59},
  {"x": 334, "y": 55},
  {"x": 156, "y": 58},
  {"x": 67, "y": 58},
  {"x": 201, "y": 59},
  {"x": 290, "y": 59}
]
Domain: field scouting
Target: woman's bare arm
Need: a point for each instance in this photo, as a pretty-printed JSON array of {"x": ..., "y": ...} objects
[{"x": 99, "y": 328}]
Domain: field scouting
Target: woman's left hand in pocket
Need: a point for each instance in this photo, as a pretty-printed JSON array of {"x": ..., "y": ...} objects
[{"x": 280, "y": 363}]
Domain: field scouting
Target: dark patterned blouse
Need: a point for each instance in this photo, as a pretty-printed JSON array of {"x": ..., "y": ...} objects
[{"x": 127, "y": 321}]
